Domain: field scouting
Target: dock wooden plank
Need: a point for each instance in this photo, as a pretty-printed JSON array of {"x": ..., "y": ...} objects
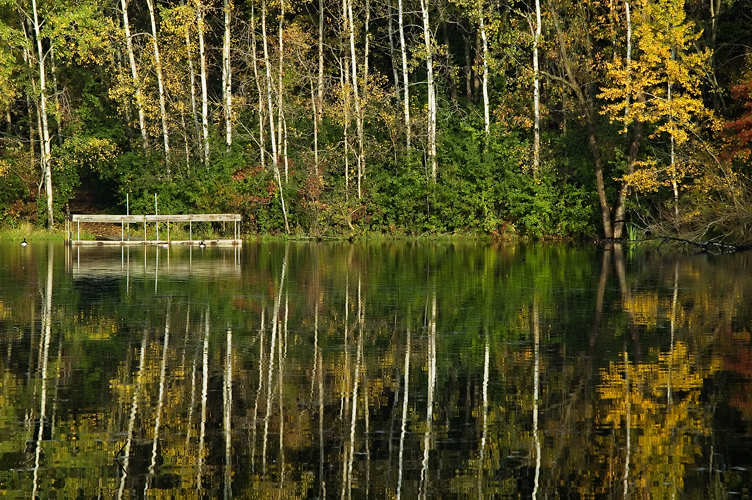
[{"x": 139, "y": 219}]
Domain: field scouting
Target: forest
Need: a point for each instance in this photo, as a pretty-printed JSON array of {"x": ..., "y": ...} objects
[{"x": 547, "y": 119}]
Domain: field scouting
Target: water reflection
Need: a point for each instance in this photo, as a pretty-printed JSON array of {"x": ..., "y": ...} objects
[{"x": 371, "y": 371}]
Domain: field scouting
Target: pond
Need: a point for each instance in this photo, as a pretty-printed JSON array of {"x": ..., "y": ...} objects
[{"x": 374, "y": 370}]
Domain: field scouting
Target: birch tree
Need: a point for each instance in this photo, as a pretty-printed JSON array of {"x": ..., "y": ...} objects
[
  {"x": 204, "y": 77},
  {"x": 46, "y": 155},
  {"x": 664, "y": 84},
  {"x": 275, "y": 158},
  {"x": 536, "y": 90},
  {"x": 356, "y": 95},
  {"x": 160, "y": 83},
  {"x": 427, "y": 40},
  {"x": 405, "y": 74},
  {"x": 227, "y": 74},
  {"x": 134, "y": 74}
]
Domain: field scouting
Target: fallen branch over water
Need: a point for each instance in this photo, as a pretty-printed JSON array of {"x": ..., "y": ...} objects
[{"x": 706, "y": 246}]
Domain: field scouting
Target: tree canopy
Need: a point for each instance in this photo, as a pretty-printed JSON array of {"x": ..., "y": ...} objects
[{"x": 381, "y": 116}]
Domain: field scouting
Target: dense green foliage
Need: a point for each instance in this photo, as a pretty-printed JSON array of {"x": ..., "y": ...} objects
[{"x": 336, "y": 180}]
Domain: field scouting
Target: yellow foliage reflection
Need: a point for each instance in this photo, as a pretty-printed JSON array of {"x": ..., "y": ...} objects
[{"x": 658, "y": 404}]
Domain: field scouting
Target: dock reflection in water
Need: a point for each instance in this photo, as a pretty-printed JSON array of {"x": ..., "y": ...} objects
[{"x": 389, "y": 370}]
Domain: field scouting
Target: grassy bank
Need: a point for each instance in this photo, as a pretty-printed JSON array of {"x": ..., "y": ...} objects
[{"x": 21, "y": 230}]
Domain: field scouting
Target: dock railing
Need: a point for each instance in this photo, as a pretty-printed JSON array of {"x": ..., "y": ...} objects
[{"x": 124, "y": 220}]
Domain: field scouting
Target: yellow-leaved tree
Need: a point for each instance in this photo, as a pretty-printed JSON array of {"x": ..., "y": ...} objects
[{"x": 658, "y": 89}]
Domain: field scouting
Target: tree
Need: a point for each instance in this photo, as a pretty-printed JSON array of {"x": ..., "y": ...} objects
[
  {"x": 160, "y": 84},
  {"x": 663, "y": 80}
]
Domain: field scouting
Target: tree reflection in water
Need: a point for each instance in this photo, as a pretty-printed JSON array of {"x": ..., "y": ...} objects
[{"x": 304, "y": 366}]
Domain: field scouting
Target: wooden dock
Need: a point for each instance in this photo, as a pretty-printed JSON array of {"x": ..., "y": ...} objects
[{"x": 126, "y": 220}]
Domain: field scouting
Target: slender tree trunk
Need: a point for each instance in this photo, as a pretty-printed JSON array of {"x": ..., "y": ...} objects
[
  {"x": 366, "y": 49},
  {"x": 160, "y": 84},
  {"x": 204, "y": 82},
  {"x": 571, "y": 80},
  {"x": 192, "y": 74},
  {"x": 672, "y": 155},
  {"x": 46, "y": 152},
  {"x": 56, "y": 91},
  {"x": 227, "y": 74},
  {"x": 28, "y": 59},
  {"x": 186, "y": 145},
  {"x": 621, "y": 199},
  {"x": 262, "y": 140},
  {"x": 392, "y": 54},
  {"x": 320, "y": 94},
  {"x": 134, "y": 74},
  {"x": 431, "y": 90},
  {"x": 486, "y": 104},
  {"x": 629, "y": 59},
  {"x": 315, "y": 110},
  {"x": 715, "y": 11},
  {"x": 405, "y": 74},
  {"x": 281, "y": 136},
  {"x": 267, "y": 64},
  {"x": 356, "y": 94},
  {"x": 344, "y": 84},
  {"x": 536, "y": 90}
]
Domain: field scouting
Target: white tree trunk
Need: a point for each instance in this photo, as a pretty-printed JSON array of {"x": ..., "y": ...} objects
[
  {"x": 192, "y": 73},
  {"x": 204, "y": 83},
  {"x": 46, "y": 152},
  {"x": 356, "y": 94},
  {"x": 134, "y": 74},
  {"x": 281, "y": 137},
  {"x": 431, "y": 90},
  {"x": 536, "y": 90},
  {"x": 629, "y": 60},
  {"x": 160, "y": 84},
  {"x": 486, "y": 104},
  {"x": 405, "y": 75},
  {"x": 227, "y": 75},
  {"x": 275, "y": 158},
  {"x": 320, "y": 95}
]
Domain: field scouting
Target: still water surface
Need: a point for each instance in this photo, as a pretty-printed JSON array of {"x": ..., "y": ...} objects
[{"x": 386, "y": 370}]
